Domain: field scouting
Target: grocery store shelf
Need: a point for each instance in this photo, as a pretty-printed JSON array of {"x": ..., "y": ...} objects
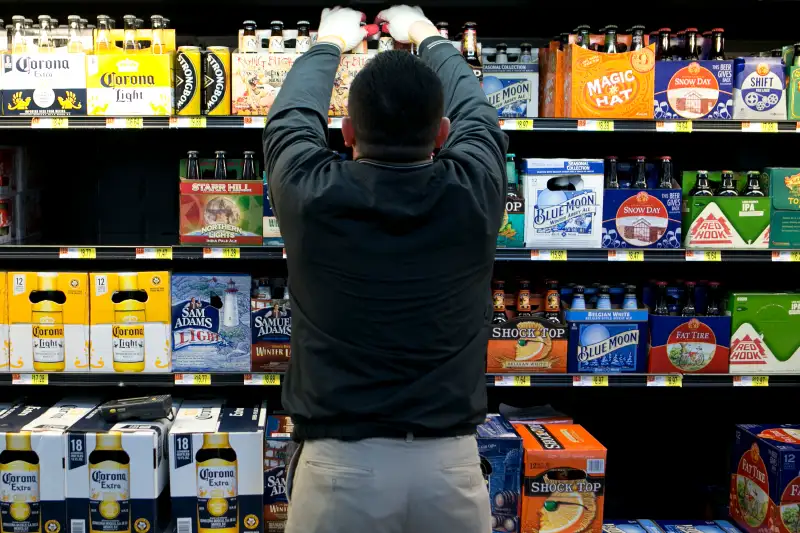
[{"x": 96, "y": 379}]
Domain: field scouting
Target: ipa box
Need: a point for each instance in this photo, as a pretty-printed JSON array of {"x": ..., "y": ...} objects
[
  {"x": 694, "y": 90},
  {"x": 500, "y": 452},
  {"x": 764, "y": 339},
  {"x": 607, "y": 341},
  {"x": 691, "y": 345},
  {"x": 45, "y": 85}
]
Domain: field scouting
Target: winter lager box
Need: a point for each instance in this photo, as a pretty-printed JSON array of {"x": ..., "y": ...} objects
[
  {"x": 765, "y": 486},
  {"x": 278, "y": 451},
  {"x": 694, "y": 90},
  {"x": 44, "y": 84},
  {"x": 216, "y": 467},
  {"x": 738, "y": 222},
  {"x": 784, "y": 189},
  {"x": 564, "y": 478},
  {"x": 526, "y": 345},
  {"x": 564, "y": 200},
  {"x": 692, "y": 526},
  {"x": 764, "y": 339},
  {"x": 512, "y": 88},
  {"x": 211, "y": 323},
  {"x": 500, "y": 451},
  {"x": 607, "y": 341},
  {"x": 52, "y": 334},
  {"x": 116, "y": 475},
  {"x": 130, "y": 322},
  {"x": 32, "y": 454},
  {"x": 4, "y": 343},
  {"x": 760, "y": 90},
  {"x": 641, "y": 218},
  {"x": 691, "y": 345},
  {"x": 272, "y": 334}
]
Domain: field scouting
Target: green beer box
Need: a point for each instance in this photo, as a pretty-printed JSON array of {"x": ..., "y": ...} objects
[
  {"x": 725, "y": 222},
  {"x": 793, "y": 93},
  {"x": 765, "y": 339},
  {"x": 784, "y": 187}
]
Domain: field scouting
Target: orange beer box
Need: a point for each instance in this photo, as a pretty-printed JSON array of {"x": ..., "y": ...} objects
[
  {"x": 599, "y": 85},
  {"x": 564, "y": 479},
  {"x": 527, "y": 344}
]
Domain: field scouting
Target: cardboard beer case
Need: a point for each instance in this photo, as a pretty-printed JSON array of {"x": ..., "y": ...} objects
[
  {"x": 607, "y": 341},
  {"x": 784, "y": 191},
  {"x": 694, "y": 90},
  {"x": 42, "y": 84},
  {"x": 691, "y": 345},
  {"x": 513, "y": 87},
  {"x": 764, "y": 339},
  {"x": 760, "y": 90},
  {"x": 500, "y": 452}
]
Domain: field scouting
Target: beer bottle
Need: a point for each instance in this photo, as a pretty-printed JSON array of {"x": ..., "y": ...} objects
[
  {"x": 612, "y": 181},
  {"x": 512, "y": 190},
  {"x": 727, "y": 187},
  {"x": 166, "y": 23},
  {"x": 18, "y": 44},
  {"x": 753, "y": 187},
  {"x": 524, "y": 299},
  {"x": 637, "y": 38},
  {"x": 45, "y": 45},
  {"x": 717, "y": 51},
  {"x": 688, "y": 308},
  {"x": 499, "y": 302},
  {"x": 665, "y": 173},
  {"x": 501, "y": 54},
  {"x": 28, "y": 24},
  {"x": 193, "y": 166},
  {"x": 249, "y": 42},
  {"x": 157, "y": 25},
  {"x": 610, "y": 45},
  {"x": 552, "y": 302},
  {"x": 639, "y": 173},
  {"x": 679, "y": 51},
  {"x": 129, "y": 40},
  {"x": 604, "y": 297},
  {"x": 220, "y": 166},
  {"x": 714, "y": 306},
  {"x": 303, "y": 43},
  {"x": 139, "y": 25},
  {"x": 249, "y": 168},
  {"x": 629, "y": 301},
  {"x": 103, "y": 41},
  {"x": 276, "y": 37},
  {"x": 563, "y": 41},
  {"x": 578, "y": 298},
  {"x": 386, "y": 41},
  {"x": 583, "y": 36},
  {"x": 692, "y": 51},
  {"x": 444, "y": 29},
  {"x": 701, "y": 186},
  {"x": 526, "y": 53},
  {"x": 74, "y": 44},
  {"x": 661, "y": 307},
  {"x": 469, "y": 49}
]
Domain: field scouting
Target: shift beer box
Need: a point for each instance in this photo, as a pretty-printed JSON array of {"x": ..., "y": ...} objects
[
  {"x": 512, "y": 88},
  {"x": 760, "y": 90},
  {"x": 278, "y": 451},
  {"x": 784, "y": 189},
  {"x": 694, "y": 90},
  {"x": 564, "y": 478},
  {"x": 216, "y": 467},
  {"x": 130, "y": 322},
  {"x": 211, "y": 323},
  {"x": 44, "y": 84},
  {"x": 272, "y": 334},
  {"x": 698, "y": 344},
  {"x": 116, "y": 474},
  {"x": 694, "y": 526},
  {"x": 500, "y": 451},
  {"x": 48, "y": 313},
  {"x": 765, "y": 339},
  {"x": 765, "y": 486},
  {"x": 607, "y": 341},
  {"x": 564, "y": 199},
  {"x": 733, "y": 222}
]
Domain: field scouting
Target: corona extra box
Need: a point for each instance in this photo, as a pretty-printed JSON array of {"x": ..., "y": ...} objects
[
  {"x": 272, "y": 334},
  {"x": 32, "y": 448},
  {"x": 738, "y": 222},
  {"x": 4, "y": 343},
  {"x": 599, "y": 85},
  {"x": 691, "y": 345},
  {"x": 564, "y": 479},
  {"x": 512, "y": 88},
  {"x": 760, "y": 90},
  {"x": 526, "y": 345},
  {"x": 130, "y": 322},
  {"x": 784, "y": 190},
  {"x": 793, "y": 93},
  {"x": 765, "y": 486},
  {"x": 216, "y": 467},
  {"x": 500, "y": 452},
  {"x": 278, "y": 451},
  {"x": 642, "y": 218},
  {"x": 48, "y": 313},
  {"x": 211, "y": 323},
  {"x": 607, "y": 341},
  {"x": 116, "y": 474},
  {"x": 764, "y": 339},
  {"x": 694, "y": 90},
  {"x": 564, "y": 202},
  {"x": 44, "y": 84}
]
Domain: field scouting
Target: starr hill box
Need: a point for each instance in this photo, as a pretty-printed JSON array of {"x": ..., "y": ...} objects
[
  {"x": 694, "y": 90},
  {"x": 732, "y": 222},
  {"x": 764, "y": 339},
  {"x": 691, "y": 345},
  {"x": 784, "y": 189}
]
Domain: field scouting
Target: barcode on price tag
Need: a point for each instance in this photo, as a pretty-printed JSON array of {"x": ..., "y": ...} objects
[
  {"x": 595, "y": 125},
  {"x": 77, "y": 253},
  {"x": 221, "y": 253},
  {"x": 192, "y": 379},
  {"x": 512, "y": 381},
  {"x": 751, "y": 381},
  {"x": 626, "y": 255},
  {"x": 672, "y": 380},
  {"x": 154, "y": 253},
  {"x": 548, "y": 255},
  {"x": 262, "y": 379},
  {"x": 29, "y": 379}
]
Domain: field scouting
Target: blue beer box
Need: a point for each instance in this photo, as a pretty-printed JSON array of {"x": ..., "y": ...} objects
[
  {"x": 500, "y": 450},
  {"x": 694, "y": 90},
  {"x": 624, "y": 526},
  {"x": 607, "y": 341},
  {"x": 696, "y": 526},
  {"x": 512, "y": 88},
  {"x": 642, "y": 218}
]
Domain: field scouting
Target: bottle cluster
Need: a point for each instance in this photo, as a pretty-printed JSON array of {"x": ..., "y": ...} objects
[
  {"x": 638, "y": 175},
  {"x": 727, "y": 186},
  {"x": 220, "y": 171}
]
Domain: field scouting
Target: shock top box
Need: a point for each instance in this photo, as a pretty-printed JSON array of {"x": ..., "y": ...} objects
[
  {"x": 564, "y": 478},
  {"x": 116, "y": 474},
  {"x": 48, "y": 314},
  {"x": 500, "y": 451},
  {"x": 759, "y": 92},
  {"x": 698, "y": 344},
  {"x": 211, "y": 323},
  {"x": 784, "y": 189},
  {"x": 216, "y": 454},
  {"x": 738, "y": 222},
  {"x": 527, "y": 344},
  {"x": 130, "y": 322},
  {"x": 278, "y": 451},
  {"x": 694, "y": 90},
  {"x": 607, "y": 341},
  {"x": 764, "y": 339},
  {"x": 512, "y": 88},
  {"x": 272, "y": 334},
  {"x": 765, "y": 486},
  {"x": 564, "y": 199},
  {"x": 44, "y": 84}
]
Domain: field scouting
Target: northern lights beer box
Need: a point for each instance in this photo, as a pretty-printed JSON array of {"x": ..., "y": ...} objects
[
  {"x": 216, "y": 466},
  {"x": 784, "y": 191},
  {"x": 764, "y": 339},
  {"x": 607, "y": 341},
  {"x": 46, "y": 85},
  {"x": 211, "y": 323},
  {"x": 278, "y": 450},
  {"x": 691, "y": 345},
  {"x": 764, "y": 483},
  {"x": 642, "y": 218},
  {"x": 694, "y": 90},
  {"x": 500, "y": 451},
  {"x": 695, "y": 526},
  {"x": 759, "y": 92},
  {"x": 116, "y": 474},
  {"x": 564, "y": 202},
  {"x": 512, "y": 88}
]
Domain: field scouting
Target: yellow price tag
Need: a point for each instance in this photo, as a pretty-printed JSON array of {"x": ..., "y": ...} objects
[
  {"x": 595, "y": 125},
  {"x": 262, "y": 379},
  {"x": 221, "y": 253},
  {"x": 524, "y": 125},
  {"x": 674, "y": 126},
  {"x": 683, "y": 126},
  {"x": 522, "y": 381},
  {"x": 193, "y": 379},
  {"x": 590, "y": 381},
  {"x": 254, "y": 122},
  {"x": 272, "y": 379},
  {"x": 87, "y": 253},
  {"x": 599, "y": 381},
  {"x": 558, "y": 255},
  {"x": 134, "y": 123},
  {"x": 231, "y": 253},
  {"x": 512, "y": 381},
  {"x": 751, "y": 381},
  {"x": 786, "y": 256},
  {"x": 712, "y": 255},
  {"x": 605, "y": 125},
  {"x": 769, "y": 127},
  {"x": 671, "y": 380},
  {"x": 77, "y": 253},
  {"x": 626, "y": 255},
  {"x": 29, "y": 379},
  {"x": 39, "y": 379},
  {"x": 56, "y": 123}
]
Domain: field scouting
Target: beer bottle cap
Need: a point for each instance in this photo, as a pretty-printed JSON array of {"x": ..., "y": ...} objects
[
  {"x": 666, "y": 158},
  {"x": 193, "y": 153},
  {"x": 276, "y": 22},
  {"x": 74, "y": 18},
  {"x": 526, "y": 45},
  {"x": 611, "y": 157},
  {"x": 640, "y": 158},
  {"x": 584, "y": 27},
  {"x": 727, "y": 172},
  {"x": 248, "y": 22},
  {"x": 249, "y": 153},
  {"x": 504, "y": 46},
  {"x": 665, "y": 30},
  {"x": 129, "y": 17},
  {"x": 611, "y": 27},
  {"x": 303, "y": 23},
  {"x": 691, "y": 29},
  {"x": 718, "y": 30},
  {"x": 220, "y": 152},
  {"x": 638, "y": 27},
  {"x": 442, "y": 23}
]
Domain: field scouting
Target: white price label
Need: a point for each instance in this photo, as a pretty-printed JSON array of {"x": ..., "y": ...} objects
[
  {"x": 125, "y": 123},
  {"x": 192, "y": 379},
  {"x": 335, "y": 123},
  {"x": 187, "y": 122},
  {"x": 512, "y": 381},
  {"x": 674, "y": 126},
  {"x": 751, "y": 381},
  {"x": 221, "y": 253},
  {"x": 548, "y": 255},
  {"x": 626, "y": 255},
  {"x": 760, "y": 127},
  {"x": 703, "y": 255},
  {"x": 50, "y": 123},
  {"x": 255, "y": 122},
  {"x": 590, "y": 381},
  {"x": 262, "y": 379},
  {"x": 595, "y": 125},
  {"x": 672, "y": 380},
  {"x": 525, "y": 124},
  {"x": 77, "y": 253},
  {"x": 786, "y": 256},
  {"x": 154, "y": 253},
  {"x": 29, "y": 379}
]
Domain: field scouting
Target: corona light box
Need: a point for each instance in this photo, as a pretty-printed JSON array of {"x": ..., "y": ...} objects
[
  {"x": 694, "y": 90},
  {"x": 44, "y": 84},
  {"x": 764, "y": 339}
]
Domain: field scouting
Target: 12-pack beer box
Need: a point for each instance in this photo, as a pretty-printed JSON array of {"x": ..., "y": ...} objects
[
  {"x": 694, "y": 90},
  {"x": 500, "y": 452},
  {"x": 737, "y": 222},
  {"x": 43, "y": 84},
  {"x": 784, "y": 191},
  {"x": 764, "y": 339},
  {"x": 691, "y": 345},
  {"x": 760, "y": 90},
  {"x": 607, "y": 341}
]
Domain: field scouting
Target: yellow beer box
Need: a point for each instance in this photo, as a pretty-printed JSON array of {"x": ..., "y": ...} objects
[
  {"x": 44, "y": 84},
  {"x": 48, "y": 314},
  {"x": 3, "y": 322},
  {"x": 130, "y": 322}
]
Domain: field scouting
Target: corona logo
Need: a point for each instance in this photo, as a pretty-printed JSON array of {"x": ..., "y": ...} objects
[{"x": 127, "y": 65}]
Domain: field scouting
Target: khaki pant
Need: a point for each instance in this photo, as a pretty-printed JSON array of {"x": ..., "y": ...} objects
[{"x": 388, "y": 486}]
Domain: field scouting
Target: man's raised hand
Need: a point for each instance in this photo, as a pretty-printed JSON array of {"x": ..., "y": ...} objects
[
  {"x": 341, "y": 26},
  {"x": 407, "y": 24}
]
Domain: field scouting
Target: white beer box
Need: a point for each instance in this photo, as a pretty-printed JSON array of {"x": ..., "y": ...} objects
[
  {"x": 512, "y": 88},
  {"x": 44, "y": 84}
]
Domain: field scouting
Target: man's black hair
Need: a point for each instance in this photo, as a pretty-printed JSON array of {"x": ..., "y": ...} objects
[{"x": 396, "y": 104}]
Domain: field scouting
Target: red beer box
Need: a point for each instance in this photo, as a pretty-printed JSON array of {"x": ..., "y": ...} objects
[{"x": 691, "y": 345}]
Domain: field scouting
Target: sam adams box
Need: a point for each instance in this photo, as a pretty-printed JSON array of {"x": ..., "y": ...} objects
[{"x": 500, "y": 451}]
